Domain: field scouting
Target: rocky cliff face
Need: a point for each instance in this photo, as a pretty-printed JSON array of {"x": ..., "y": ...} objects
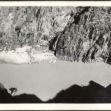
[
  {"x": 86, "y": 37},
  {"x": 31, "y": 26},
  {"x": 73, "y": 33}
]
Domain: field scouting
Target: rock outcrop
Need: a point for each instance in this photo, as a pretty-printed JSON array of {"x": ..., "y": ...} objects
[
  {"x": 93, "y": 93},
  {"x": 86, "y": 37},
  {"x": 6, "y": 97},
  {"x": 30, "y": 26},
  {"x": 73, "y": 33}
]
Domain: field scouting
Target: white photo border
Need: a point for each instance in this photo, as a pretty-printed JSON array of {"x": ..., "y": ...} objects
[{"x": 106, "y": 106}]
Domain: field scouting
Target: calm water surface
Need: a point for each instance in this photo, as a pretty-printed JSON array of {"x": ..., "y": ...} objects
[{"x": 45, "y": 80}]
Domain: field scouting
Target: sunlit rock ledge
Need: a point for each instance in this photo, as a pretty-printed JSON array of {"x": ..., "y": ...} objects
[{"x": 27, "y": 55}]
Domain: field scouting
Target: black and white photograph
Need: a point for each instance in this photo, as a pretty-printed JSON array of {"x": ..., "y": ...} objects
[{"x": 55, "y": 54}]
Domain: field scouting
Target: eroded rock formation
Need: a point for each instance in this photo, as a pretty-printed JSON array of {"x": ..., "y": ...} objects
[{"x": 86, "y": 37}]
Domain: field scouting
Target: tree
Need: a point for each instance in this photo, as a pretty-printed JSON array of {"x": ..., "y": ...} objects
[{"x": 13, "y": 90}]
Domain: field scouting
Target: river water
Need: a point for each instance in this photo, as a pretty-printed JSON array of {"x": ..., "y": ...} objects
[{"x": 45, "y": 80}]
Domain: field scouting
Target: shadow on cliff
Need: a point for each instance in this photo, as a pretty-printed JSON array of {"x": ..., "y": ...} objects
[{"x": 93, "y": 93}]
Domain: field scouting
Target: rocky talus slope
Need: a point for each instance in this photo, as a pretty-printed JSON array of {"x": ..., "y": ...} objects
[{"x": 86, "y": 37}]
